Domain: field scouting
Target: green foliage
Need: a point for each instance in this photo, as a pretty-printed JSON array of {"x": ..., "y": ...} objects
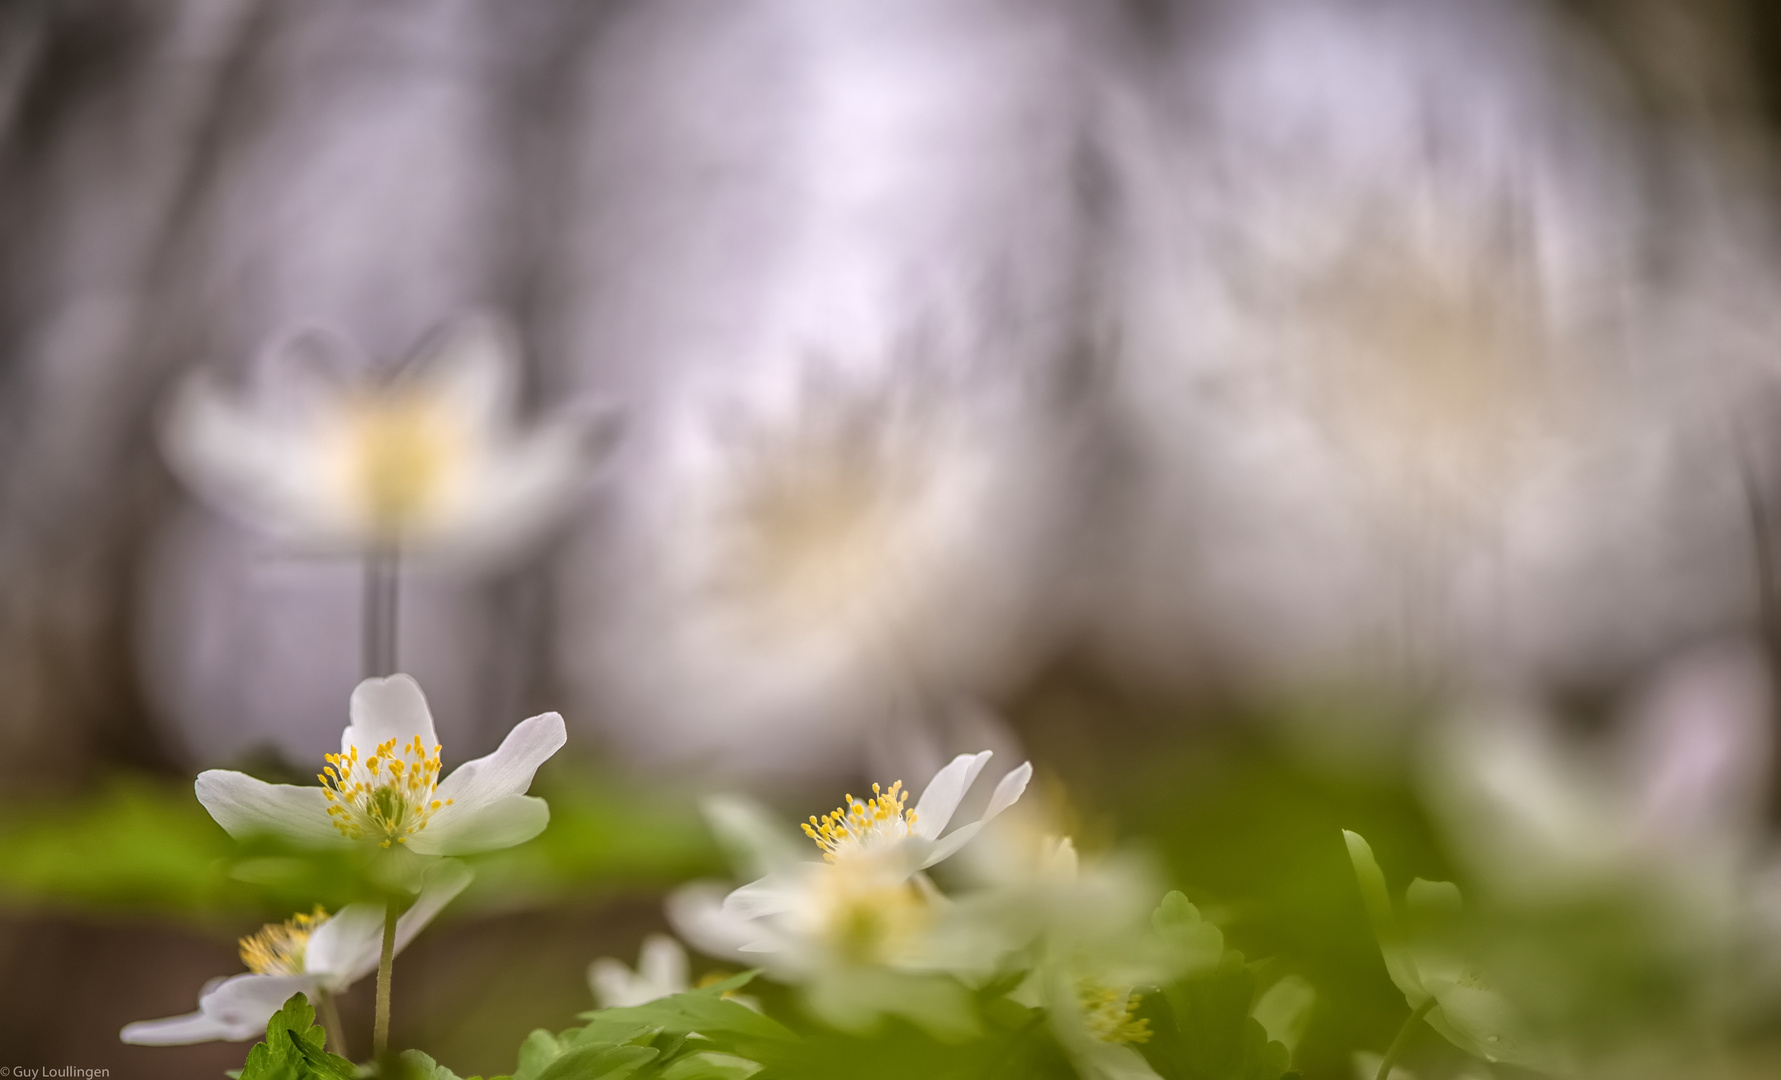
[
  {"x": 144, "y": 845},
  {"x": 295, "y": 1048},
  {"x": 697, "y": 1035},
  {"x": 1201, "y": 1025}
]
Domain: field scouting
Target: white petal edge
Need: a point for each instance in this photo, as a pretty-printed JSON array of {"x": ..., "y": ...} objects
[
  {"x": 488, "y": 827},
  {"x": 508, "y": 771},
  {"x": 181, "y": 1031},
  {"x": 385, "y": 709},
  {"x": 248, "y": 807},
  {"x": 233, "y": 1010},
  {"x": 352, "y": 952},
  {"x": 1008, "y": 792},
  {"x": 344, "y": 947},
  {"x": 934, "y": 810}
]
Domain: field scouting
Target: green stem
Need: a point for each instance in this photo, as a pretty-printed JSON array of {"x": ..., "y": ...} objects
[
  {"x": 331, "y": 1023},
  {"x": 385, "y": 962},
  {"x": 1396, "y": 1050},
  {"x": 381, "y": 597}
]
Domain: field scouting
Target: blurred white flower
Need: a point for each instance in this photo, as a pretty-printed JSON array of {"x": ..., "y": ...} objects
[
  {"x": 661, "y": 972},
  {"x": 1411, "y": 401},
  {"x": 383, "y": 788},
  {"x": 1668, "y": 804},
  {"x": 846, "y": 926},
  {"x": 798, "y": 573},
  {"x": 316, "y": 954},
  {"x": 319, "y": 457}
]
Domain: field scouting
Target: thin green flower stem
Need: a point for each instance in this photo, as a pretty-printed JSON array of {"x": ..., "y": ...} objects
[
  {"x": 331, "y": 1024},
  {"x": 1396, "y": 1050},
  {"x": 385, "y": 963},
  {"x": 382, "y": 593}
]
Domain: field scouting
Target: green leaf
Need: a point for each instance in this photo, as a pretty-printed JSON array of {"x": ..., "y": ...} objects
[
  {"x": 295, "y": 1048},
  {"x": 1196, "y": 943},
  {"x": 703, "y": 1011},
  {"x": 538, "y": 1051},
  {"x": 1399, "y": 963},
  {"x": 711, "y": 1065},
  {"x": 1285, "y": 1011},
  {"x": 1202, "y": 1028},
  {"x": 419, "y": 1066},
  {"x": 598, "y": 1063}
]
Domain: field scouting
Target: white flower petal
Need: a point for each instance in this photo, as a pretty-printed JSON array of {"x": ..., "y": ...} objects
[
  {"x": 253, "y": 468},
  {"x": 180, "y": 1031},
  {"x": 248, "y": 807},
  {"x": 471, "y": 364},
  {"x": 663, "y": 964},
  {"x": 486, "y": 827},
  {"x": 234, "y": 1009},
  {"x": 346, "y": 946},
  {"x": 506, "y": 772},
  {"x": 936, "y": 806},
  {"x": 697, "y": 913},
  {"x": 1007, "y": 792},
  {"x": 385, "y": 709}
]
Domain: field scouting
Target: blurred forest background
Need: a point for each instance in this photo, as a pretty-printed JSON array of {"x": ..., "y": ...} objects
[{"x": 1224, "y": 392}]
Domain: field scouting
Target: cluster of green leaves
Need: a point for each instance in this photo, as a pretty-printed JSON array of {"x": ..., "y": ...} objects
[
  {"x": 295, "y": 1049},
  {"x": 1212, "y": 1024}
]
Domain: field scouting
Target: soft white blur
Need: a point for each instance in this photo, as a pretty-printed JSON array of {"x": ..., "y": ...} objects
[{"x": 1419, "y": 346}]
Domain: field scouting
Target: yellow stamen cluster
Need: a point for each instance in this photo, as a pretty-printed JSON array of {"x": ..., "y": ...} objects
[
  {"x": 388, "y": 797},
  {"x": 278, "y": 948},
  {"x": 1112, "y": 1014},
  {"x": 857, "y": 821}
]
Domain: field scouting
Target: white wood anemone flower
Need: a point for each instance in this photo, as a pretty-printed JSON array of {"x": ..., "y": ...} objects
[
  {"x": 865, "y": 906},
  {"x": 316, "y": 954},
  {"x": 384, "y": 790},
  {"x": 323, "y": 455}
]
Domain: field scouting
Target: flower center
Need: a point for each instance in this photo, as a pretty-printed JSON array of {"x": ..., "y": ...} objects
[
  {"x": 868, "y": 914},
  {"x": 1111, "y": 1013},
  {"x": 278, "y": 948},
  {"x": 856, "y": 823},
  {"x": 400, "y": 450},
  {"x": 388, "y": 797}
]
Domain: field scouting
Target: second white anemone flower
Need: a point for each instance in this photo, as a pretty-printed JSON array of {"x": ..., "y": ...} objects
[
  {"x": 866, "y": 903},
  {"x": 320, "y": 456},
  {"x": 316, "y": 954},
  {"x": 384, "y": 789}
]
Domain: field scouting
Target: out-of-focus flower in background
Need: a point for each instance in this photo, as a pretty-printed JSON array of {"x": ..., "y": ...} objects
[
  {"x": 1414, "y": 403},
  {"x": 832, "y": 567},
  {"x": 661, "y": 971},
  {"x": 316, "y": 954},
  {"x": 384, "y": 790},
  {"x": 326, "y": 455}
]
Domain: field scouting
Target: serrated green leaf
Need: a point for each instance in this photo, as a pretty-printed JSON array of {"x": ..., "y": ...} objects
[
  {"x": 711, "y": 1065},
  {"x": 320, "y": 1064},
  {"x": 420, "y": 1066}
]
